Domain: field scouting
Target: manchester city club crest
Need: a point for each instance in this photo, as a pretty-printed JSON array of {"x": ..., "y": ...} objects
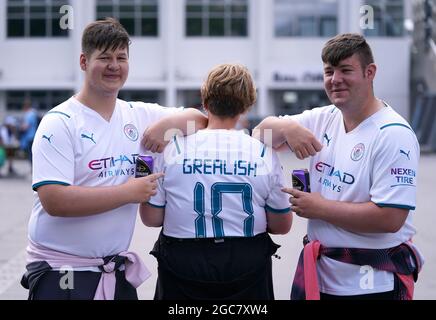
[
  {"x": 357, "y": 152},
  {"x": 131, "y": 132}
]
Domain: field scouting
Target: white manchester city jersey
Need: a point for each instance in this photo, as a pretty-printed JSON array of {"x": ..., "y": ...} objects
[
  {"x": 378, "y": 162},
  {"x": 74, "y": 145},
  {"x": 218, "y": 183}
]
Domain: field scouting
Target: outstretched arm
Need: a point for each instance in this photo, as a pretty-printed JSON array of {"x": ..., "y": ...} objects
[
  {"x": 186, "y": 122},
  {"x": 364, "y": 217},
  {"x": 275, "y": 132},
  {"x": 79, "y": 201}
]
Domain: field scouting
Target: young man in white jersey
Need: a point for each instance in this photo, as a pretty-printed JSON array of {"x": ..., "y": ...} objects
[
  {"x": 220, "y": 197},
  {"x": 86, "y": 197},
  {"x": 363, "y": 185}
]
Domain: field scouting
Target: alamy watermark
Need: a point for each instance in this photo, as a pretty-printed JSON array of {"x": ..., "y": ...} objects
[
  {"x": 367, "y": 280},
  {"x": 67, "y": 20},
  {"x": 67, "y": 280},
  {"x": 367, "y": 17}
]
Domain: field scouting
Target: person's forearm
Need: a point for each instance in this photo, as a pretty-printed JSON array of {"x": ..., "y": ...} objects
[
  {"x": 77, "y": 201},
  {"x": 151, "y": 216},
  {"x": 275, "y": 132},
  {"x": 279, "y": 223},
  {"x": 271, "y": 131},
  {"x": 188, "y": 121},
  {"x": 364, "y": 217}
]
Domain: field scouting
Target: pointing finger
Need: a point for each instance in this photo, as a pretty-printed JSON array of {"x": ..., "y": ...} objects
[
  {"x": 292, "y": 192},
  {"x": 287, "y": 190},
  {"x": 155, "y": 176}
]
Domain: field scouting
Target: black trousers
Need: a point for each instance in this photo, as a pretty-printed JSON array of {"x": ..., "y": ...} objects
[
  {"x": 388, "y": 295},
  {"x": 84, "y": 285},
  {"x": 214, "y": 269}
]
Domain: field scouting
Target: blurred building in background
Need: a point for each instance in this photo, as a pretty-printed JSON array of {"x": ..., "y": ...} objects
[
  {"x": 423, "y": 76},
  {"x": 176, "y": 42}
]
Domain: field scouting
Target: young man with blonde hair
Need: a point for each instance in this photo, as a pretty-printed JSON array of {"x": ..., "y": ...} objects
[{"x": 220, "y": 197}]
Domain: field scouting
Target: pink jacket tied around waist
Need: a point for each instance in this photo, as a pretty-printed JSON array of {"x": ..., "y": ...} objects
[{"x": 135, "y": 270}]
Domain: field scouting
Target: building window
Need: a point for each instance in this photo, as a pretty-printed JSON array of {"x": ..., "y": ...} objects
[
  {"x": 139, "y": 17},
  {"x": 35, "y": 18},
  {"x": 42, "y": 100},
  {"x": 149, "y": 96},
  {"x": 296, "y": 101},
  {"x": 388, "y": 18},
  {"x": 305, "y": 18},
  {"x": 216, "y": 18},
  {"x": 189, "y": 98}
]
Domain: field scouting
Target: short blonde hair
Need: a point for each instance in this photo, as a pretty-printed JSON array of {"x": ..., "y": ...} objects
[{"x": 228, "y": 91}]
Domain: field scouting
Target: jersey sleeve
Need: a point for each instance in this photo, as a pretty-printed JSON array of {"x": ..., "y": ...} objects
[
  {"x": 53, "y": 152},
  {"x": 395, "y": 168},
  {"x": 277, "y": 201}
]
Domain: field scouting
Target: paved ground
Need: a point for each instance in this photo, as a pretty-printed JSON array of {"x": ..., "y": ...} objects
[{"x": 16, "y": 199}]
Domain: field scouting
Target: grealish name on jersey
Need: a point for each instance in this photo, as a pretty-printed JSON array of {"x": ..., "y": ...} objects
[
  {"x": 218, "y": 183},
  {"x": 219, "y": 167}
]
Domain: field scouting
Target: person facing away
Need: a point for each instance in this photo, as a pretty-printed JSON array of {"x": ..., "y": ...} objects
[
  {"x": 363, "y": 184},
  {"x": 220, "y": 197},
  {"x": 28, "y": 128},
  {"x": 86, "y": 198}
]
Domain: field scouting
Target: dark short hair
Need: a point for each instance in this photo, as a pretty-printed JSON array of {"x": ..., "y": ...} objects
[
  {"x": 344, "y": 46},
  {"x": 228, "y": 90},
  {"x": 104, "y": 35}
]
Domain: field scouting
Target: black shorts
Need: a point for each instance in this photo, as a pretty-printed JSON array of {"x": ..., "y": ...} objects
[
  {"x": 83, "y": 287},
  {"x": 215, "y": 269}
]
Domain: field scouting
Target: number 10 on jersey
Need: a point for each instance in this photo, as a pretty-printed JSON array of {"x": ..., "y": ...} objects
[{"x": 217, "y": 190}]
